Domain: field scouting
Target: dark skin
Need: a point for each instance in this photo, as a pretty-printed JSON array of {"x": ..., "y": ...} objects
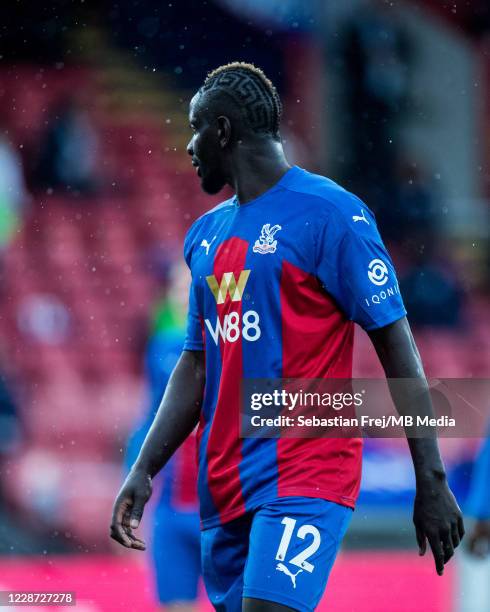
[
  {"x": 177, "y": 416},
  {"x": 250, "y": 163},
  {"x": 436, "y": 515}
]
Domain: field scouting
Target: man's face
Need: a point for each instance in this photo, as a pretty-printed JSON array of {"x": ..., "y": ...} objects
[{"x": 204, "y": 148}]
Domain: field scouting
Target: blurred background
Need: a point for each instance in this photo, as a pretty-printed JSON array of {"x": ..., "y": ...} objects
[{"x": 392, "y": 99}]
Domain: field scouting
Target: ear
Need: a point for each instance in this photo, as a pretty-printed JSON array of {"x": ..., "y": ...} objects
[{"x": 224, "y": 131}]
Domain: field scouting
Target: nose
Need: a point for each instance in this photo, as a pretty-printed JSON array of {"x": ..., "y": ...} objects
[{"x": 190, "y": 149}]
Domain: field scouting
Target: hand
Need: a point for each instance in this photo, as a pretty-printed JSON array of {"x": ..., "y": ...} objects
[
  {"x": 438, "y": 519},
  {"x": 479, "y": 539},
  {"x": 128, "y": 509}
]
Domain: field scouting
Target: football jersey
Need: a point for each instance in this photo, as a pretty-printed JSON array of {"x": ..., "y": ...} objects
[{"x": 277, "y": 284}]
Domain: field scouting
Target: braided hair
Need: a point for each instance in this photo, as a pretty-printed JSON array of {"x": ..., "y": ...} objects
[{"x": 251, "y": 91}]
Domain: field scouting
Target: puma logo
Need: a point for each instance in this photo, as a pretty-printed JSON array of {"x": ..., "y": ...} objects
[
  {"x": 280, "y": 567},
  {"x": 360, "y": 217},
  {"x": 207, "y": 245}
]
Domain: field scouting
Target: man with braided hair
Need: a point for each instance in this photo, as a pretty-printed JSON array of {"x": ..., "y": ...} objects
[
  {"x": 240, "y": 95},
  {"x": 280, "y": 273}
]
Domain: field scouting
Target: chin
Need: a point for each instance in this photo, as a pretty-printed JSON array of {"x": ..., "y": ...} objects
[{"x": 212, "y": 185}]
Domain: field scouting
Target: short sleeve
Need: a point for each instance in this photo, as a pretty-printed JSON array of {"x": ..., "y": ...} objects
[
  {"x": 193, "y": 337},
  {"x": 354, "y": 267}
]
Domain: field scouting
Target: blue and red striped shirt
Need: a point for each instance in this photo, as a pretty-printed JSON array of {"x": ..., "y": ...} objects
[{"x": 277, "y": 284}]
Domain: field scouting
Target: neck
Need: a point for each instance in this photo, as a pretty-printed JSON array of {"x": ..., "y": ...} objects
[{"x": 255, "y": 169}]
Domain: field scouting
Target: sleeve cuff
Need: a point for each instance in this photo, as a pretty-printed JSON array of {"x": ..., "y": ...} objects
[
  {"x": 388, "y": 320},
  {"x": 193, "y": 345}
]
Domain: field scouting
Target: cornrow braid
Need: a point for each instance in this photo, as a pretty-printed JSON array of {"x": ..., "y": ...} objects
[{"x": 252, "y": 91}]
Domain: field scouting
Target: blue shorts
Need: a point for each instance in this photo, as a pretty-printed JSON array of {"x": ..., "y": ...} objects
[
  {"x": 283, "y": 552},
  {"x": 176, "y": 554}
]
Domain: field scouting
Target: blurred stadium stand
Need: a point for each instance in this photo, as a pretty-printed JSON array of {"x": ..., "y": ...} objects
[{"x": 82, "y": 389}]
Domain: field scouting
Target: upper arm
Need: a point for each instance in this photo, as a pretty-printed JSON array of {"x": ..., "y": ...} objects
[
  {"x": 354, "y": 266},
  {"x": 194, "y": 337},
  {"x": 194, "y": 363},
  {"x": 189, "y": 377},
  {"x": 397, "y": 351}
]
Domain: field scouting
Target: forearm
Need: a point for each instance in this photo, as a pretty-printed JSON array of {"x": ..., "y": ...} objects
[
  {"x": 412, "y": 398},
  {"x": 410, "y": 393},
  {"x": 177, "y": 415}
]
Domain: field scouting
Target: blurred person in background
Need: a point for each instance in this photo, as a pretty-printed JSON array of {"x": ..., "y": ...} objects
[
  {"x": 175, "y": 534},
  {"x": 432, "y": 294},
  {"x": 411, "y": 218},
  {"x": 478, "y": 503},
  {"x": 10, "y": 439},
  {"x": 13, "y": 192},
  {"x": 10, "y": 426},
  {"x": 68, "y": 150},
  {"x": 313, "y": 253}
]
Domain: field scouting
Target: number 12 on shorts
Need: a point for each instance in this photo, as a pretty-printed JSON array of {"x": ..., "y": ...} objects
[{"x": 300, "y": 560}]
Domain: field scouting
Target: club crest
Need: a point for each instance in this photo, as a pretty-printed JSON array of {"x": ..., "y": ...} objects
[{"x": 266, "y": 243}]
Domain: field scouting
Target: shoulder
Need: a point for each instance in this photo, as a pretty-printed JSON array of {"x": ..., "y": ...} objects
[
  {"x": 326, "y": 200},
  {"x": 201, "y": 223}
]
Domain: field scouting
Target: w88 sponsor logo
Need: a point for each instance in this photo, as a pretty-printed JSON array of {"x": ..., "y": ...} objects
[{"x": 232, "y": 328}]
